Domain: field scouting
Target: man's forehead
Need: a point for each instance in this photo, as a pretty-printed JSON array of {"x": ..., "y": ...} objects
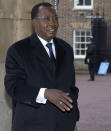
[{"x": 46, "y": 10}]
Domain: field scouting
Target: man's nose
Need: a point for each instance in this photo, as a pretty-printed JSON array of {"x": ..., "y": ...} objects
[{"x": 52, "y": 20}]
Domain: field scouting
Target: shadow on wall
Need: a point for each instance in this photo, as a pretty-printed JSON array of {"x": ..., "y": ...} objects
[
  {"x": 8, "y": 100},
  {"x": 5, "y": 103}
]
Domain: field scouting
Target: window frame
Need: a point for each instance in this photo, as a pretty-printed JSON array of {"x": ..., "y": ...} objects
[
  {"x": 83, "y": 7},
  {"x": 74, "y": 43}
]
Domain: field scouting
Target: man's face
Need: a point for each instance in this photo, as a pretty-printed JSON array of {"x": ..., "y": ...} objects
[
  {"x": 46, "y": 23},
  {"x": 90, "y": 42}
]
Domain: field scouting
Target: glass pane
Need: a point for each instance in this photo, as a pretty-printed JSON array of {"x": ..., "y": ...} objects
[
  {"x": 88, "y": 33},
  {"x": 87, "y": 2},
  {"x": 77, "y": 46},
  {"x": 77, "y": 52},
  {"x": 80, "y": 2},
  {"x": 82, "y": 39},
  {"x": 83, "y": 46},
  {"x": 82, "y": 33},
  {"x": 78, "y": 39},
  {"x": 77, "y": 33},
  {"x": 82, "y": 52}
]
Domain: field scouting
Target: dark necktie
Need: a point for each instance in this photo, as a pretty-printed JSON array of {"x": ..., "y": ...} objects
[{"x": 52, "y": 58}]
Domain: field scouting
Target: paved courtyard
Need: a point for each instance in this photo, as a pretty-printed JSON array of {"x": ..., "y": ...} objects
[{"x": 94, "y": 103}]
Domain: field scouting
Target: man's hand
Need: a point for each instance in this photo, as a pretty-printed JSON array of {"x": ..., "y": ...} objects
[{"x": 59, "y": 98}]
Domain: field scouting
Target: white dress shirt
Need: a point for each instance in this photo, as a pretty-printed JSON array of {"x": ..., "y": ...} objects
[{"x": 40, "y": 97}]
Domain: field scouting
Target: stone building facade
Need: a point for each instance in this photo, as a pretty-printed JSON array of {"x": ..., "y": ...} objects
[
  {"x": 15, "y": 24},
  {"x": 75, "y": 20}
]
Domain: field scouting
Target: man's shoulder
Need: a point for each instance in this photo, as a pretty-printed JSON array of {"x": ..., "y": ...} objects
[
  {"x": 21, "y": 43},
  {"x": 19, "y": 46}
]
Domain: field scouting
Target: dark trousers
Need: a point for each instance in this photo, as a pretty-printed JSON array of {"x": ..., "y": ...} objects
[{"x": 91, "y": 68}]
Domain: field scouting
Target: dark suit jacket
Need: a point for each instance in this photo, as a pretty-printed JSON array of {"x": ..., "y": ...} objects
[
  {"x": 91, "y": 54},
  {"x": 28, "y": 68}
]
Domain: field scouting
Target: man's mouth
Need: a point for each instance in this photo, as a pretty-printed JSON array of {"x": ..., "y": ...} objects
[{"x": 52, "y": 30}]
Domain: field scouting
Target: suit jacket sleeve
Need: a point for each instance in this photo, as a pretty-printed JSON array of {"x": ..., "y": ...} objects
[
  {"x": 15, "y": 79},
  {"x": 74, "y": 89},
  {"x": 74, "y": 94}
]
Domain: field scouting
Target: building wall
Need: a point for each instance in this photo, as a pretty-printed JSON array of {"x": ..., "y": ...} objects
[
  {"x": 15, "y": 24},
  {"x": 71, "y": 19}
]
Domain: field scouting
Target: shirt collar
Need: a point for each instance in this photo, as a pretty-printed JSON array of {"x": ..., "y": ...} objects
[{"x": 44, "y": 42}]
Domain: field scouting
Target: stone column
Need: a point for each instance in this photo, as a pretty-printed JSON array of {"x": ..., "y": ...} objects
[{"x": 15, "y": 24}]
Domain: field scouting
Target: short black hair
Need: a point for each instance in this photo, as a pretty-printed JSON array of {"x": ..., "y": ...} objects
[{"x": 36, "y": 8}]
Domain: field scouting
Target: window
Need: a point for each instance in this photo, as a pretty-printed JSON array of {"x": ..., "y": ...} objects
[
  {"x": 83, "y": 4},
  {"x": 80, "y": 42}
]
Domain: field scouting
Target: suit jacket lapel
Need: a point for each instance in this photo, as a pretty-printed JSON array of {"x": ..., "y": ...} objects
[
  {"x": 39, "y": 52},
  {"x": 60, "y": 52}
]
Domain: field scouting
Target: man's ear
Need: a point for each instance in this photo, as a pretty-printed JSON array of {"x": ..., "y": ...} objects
[{"x": 33, "y": 23}]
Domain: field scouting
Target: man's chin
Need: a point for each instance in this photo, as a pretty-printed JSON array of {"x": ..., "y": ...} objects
[{"x": 51, "y": 35}]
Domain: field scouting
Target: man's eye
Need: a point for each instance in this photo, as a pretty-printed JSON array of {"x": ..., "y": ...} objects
[
  {"x": 45, "y": 18},
  {"x": 55, "y": 17}
]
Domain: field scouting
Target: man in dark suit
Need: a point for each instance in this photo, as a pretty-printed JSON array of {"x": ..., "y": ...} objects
[
  {"x": 91, "y": 59},
  {"x": 40, "y": 77}
]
